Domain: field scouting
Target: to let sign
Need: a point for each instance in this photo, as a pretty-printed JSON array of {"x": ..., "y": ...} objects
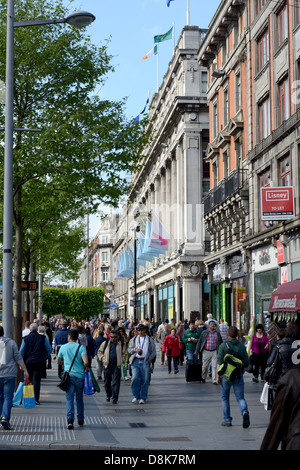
[{"x": 277, "y": 203}]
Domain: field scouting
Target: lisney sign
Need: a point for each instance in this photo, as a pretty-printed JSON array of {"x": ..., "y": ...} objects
[{"x": 277, "y": 203}]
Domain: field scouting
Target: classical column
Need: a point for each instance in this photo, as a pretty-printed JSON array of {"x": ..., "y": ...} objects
[
  {"x": 173, "y": 209},
  {"x": 180, "y": 195}
]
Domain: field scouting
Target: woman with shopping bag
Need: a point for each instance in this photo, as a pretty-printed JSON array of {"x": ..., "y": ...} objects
[
  {"x": 66, "y": 354},
  {"x": 10, "y": 359}
]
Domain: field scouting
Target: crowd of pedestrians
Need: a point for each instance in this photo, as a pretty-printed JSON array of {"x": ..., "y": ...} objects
[{"x": 124, "y": 349}]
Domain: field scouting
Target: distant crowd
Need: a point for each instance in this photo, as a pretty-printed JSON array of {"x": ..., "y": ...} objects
[{"x": 127, "y": 349}]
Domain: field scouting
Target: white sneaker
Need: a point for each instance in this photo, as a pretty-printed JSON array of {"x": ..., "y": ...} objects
[
  {"x": 134, "y": 400},
  {"x": 141, "y": 402}
]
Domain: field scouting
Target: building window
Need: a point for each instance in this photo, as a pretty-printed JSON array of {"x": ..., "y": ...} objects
[
  {"x": 238, "y": 95},
  {"x": 259, "y": 5},
  {"x": 282, "y": 25},
  {"x": 264, "y": 181},
  {"x": 104, "y": 239},
  {"x": 204, "y": 82},
  {"x": 104, "y": 274},
  {"x": 104, "y": 256},
  {"x": 263, "y": 50},
  {"x": 215, "y": 119},
  {"x": 264, "y": 118},
  {"x": 284, "y": 112},
  {"x": 285, "y": 171},
  {"x": 226, "y": 107},
  {"x": 296, "y": 12}
]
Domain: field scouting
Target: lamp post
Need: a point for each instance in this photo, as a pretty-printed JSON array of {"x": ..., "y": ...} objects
[{"x": 77, "y": 19}]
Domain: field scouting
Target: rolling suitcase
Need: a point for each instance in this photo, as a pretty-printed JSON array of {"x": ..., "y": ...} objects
[{"x": 193, "y": 371}]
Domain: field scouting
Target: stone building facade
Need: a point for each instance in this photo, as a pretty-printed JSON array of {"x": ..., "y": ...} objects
[
  {"x": 172, "y": 183},
  {"x": 251, "y": 52}
]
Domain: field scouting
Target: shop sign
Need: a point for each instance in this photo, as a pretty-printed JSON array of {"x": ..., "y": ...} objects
[
  {"x": 277, "y": 203},
  {"x": 280, "y": 252},
  {"x": 236, "y": 267},
  {"x": 264, "y": 258},
  {"x": 216, "y": 272}
]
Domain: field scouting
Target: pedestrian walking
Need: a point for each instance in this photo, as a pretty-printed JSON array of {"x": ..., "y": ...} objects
[
  {"x": 208, "y": 346},
  {"x": 190, "y": 339},
  {"x": 50, "y": 339},
  {"x": 284, "y": 422},
  {"x": 60, "y": 338},
  {"x": 259, "y": 350},
  {"x": 98, "y": 341},
  {"x": 112, "y": 354},
  {"x": 171, "y": 348},
  {"x": 142, "y": 352},
  {"x": 66, "y": 355},
  {"x": 35, "y": 350},
  {"x": 238, "y": 384},
  {"x": 91, "y": 345},
  {"x": 161, "y": 336},
  {"x": 223, "y": 328},
  {"x": 10, "y": 360},
  {"x": 26, "y": 330}
]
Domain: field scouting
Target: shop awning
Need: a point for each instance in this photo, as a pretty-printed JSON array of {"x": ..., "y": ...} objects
[{"x": 286, "y": 298}]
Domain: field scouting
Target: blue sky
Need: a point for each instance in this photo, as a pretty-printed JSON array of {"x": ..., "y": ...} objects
[{"x": 131, "y": 26}]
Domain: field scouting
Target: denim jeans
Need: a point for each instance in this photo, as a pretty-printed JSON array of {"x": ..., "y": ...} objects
[
  {"x": 140, "y": 379},
  {"x": 75, "y": 390},
  {"x": 238, "y": 388},
  {"x": 191, "y": 356},
  {"x": 7, "y": 388}
]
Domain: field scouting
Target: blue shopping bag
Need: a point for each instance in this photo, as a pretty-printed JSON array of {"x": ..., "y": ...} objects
[
  {"x": 18, "y": 396},
  {"x": 28, "y": 395},
  {"x": 89, "y": 388}
]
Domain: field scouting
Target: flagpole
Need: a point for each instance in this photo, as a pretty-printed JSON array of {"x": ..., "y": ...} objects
[
  {"x": 157, "y": 67},
  {"x": 188, "y": 13}
]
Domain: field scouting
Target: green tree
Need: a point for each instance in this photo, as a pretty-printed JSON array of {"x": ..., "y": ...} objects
[
  {"x": 85, "y": 302},
  {"x": 86, "y": 146},
  {"x": 55, "y": 301}
]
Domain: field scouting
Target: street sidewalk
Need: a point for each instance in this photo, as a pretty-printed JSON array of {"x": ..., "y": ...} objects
[{"x": 177, "y": 416}]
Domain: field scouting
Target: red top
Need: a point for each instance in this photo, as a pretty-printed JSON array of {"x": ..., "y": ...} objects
[{"x": 171, "y": 343}]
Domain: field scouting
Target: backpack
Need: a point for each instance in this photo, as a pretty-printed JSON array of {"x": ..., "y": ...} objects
[{"x": 232, "y": 366}]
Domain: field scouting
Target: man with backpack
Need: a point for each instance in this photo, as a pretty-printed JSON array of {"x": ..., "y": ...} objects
[{"x": 232, "y": 362}]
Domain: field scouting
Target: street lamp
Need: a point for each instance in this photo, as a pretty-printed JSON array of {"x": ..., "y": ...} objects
[{"x": 77, "y": 19}]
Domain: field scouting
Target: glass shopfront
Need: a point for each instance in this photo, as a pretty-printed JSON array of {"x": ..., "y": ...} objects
[{"x": 166, "y": 301}]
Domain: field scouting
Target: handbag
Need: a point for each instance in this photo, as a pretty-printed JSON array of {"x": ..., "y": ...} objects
[
  {"x": 65, "y": 381},
  {"x": 272, "y": 372},
  {"x": 28, "y": 395},
  {"x": 95, "y": 383},
  {"x": 264, "y": 396},
  {"x": 89, "y": 388},
  {"x": 17, "y": 400}
]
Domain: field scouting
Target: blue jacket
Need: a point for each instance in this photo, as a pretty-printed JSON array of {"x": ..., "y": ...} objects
[
  {"x": 35, "y": 348},
  {"x": 61, "y": 336}
]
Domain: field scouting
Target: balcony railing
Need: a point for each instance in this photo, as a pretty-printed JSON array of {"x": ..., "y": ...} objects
[{"x": 226, "y": 188}]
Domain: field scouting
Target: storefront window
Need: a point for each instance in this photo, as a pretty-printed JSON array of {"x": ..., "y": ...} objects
[
  {"x": 239, "y": 301},
  {"x": 295, "y": 271},
  {"x": 166, "y": 302},
  {"x": 264, "y": 283}
]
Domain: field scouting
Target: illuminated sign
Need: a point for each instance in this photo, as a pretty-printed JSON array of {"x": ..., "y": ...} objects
[{"x": 29, "y": 285}]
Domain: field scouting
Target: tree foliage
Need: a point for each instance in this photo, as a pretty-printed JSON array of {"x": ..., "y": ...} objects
[
  {"x": 85, "y": 148},
  {"x": 78, "y": 303}
]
